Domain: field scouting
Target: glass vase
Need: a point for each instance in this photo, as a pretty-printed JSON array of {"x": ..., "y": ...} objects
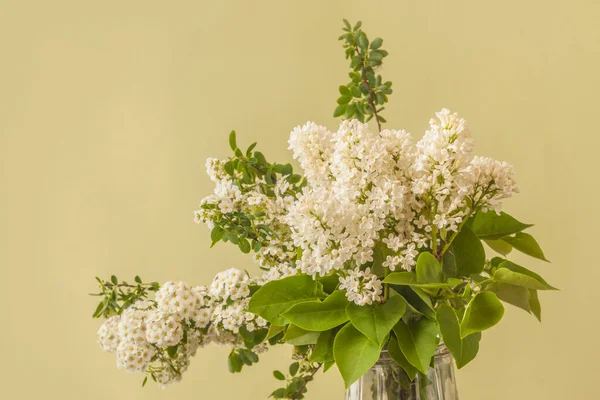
[{"x": 387, "y": 381}]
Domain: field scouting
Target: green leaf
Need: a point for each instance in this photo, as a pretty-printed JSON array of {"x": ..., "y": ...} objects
[
  {"x": 329, "y": 282},
  {"x": 534, "y": 304},
  {"x": 505, "y": 275},
  {"x": 294, "y": 368},
  {"x": 377, "y": 320},
  {"x": 469, "y": 253},
  {"x": 490, "y": 225},
  {"x": 428, "y": 269},
  {"x": 398, "y": 356},
  {"x": 234, "y": 362},
  {"x": 483, "y": 312},
  {"x": 244, "y": 246},
  {"x": 323, "y": 351},
  {"x": 525, "y": 243},
  {"x": 274, "y": 330},
  {"x": 418, "y": 340},
  {"x": 279, "y": 375},
  {"x": 518, "y": 296},
  {"x": 344, "y": 99},
  {"x": 416, "y": 305},
  {"x": 449, "y": 264},
  {"x": 363, "y": 42},
  {"x": 232, "y": 142},
  {"x": 499, "y": 246},
  {"x": 376, "y": 43},
  {"x": 320, "y": 316},
  {"x": 463, "y": 350},
  {"x": 344, "y": 91},
  {"x": 354, "y": 353},
  {"x": 340, "y": 110},
  {"x": 277, "y": 297},
  {"x": 524, "y": 271},
  {"x": 216, "y": 234},
  {"x": 300, "y": 337},
  {"x": 406, "y": 278},
  {"x": 114, "y": 280}
]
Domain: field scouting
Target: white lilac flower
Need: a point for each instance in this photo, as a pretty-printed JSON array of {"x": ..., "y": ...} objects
[{"x": 362, "y": 287}]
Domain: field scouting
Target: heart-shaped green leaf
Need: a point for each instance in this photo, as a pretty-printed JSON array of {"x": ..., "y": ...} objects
[
  {"x": 323, "y": 351},
  {"x": 320, "y": 316},
  {"x": 489, "y": 225},
  {"x": 429, "y": 269},
  {"x": 354, "y": 353},
  {"x": 300, "y": 337},
  {"x": 518, "y": 296},
  {"x": 405, "y": 278},
  {"x": 418, "y": 341},
  {"x": 398, "y": 356},
  {"x": 483, "y": 312},
  {"x": 505, "y": 275},
  {"x": 469, "y": 253},
  {"x": 276, "y": 297},
  {"x": 463, "y": 350},
  {"x": 377, "y": 320},
  {"x": 525, "y": 243},
  {"x": 524, "y": 271}
]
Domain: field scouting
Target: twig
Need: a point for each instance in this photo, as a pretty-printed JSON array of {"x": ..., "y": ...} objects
[{"x": 299, "y": 391}]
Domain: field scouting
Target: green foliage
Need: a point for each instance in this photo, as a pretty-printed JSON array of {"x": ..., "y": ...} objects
[
  {"x": 417, "y": 340},
  {"x": 118, "y": 296},
  {"x": 377, "y": 320},
  {"x": 462, "y": 349},
  {"x": 429, "y": 269},
  {"x": 525, "y": 243},
  {"x": 247, "y": 168},
  {"x": 320, "y": 316},
  {"x": 468, "y": 253},
  {"x": 400, "y": 358},
  {"x": 300, "y": 337},
  {"x": 490, "y": 225},
  {"x": 295, "y": 380},
  {"x": 354, "y": 353},
  {"x": 483, "y": 312},
  {"x": 323, "y": 350},
  {"x": 240, "y": 357},
  {"x": 277, "y": 297},
  {"x": 364, "y": 97}
]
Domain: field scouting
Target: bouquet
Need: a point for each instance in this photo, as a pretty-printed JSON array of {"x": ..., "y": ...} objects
[{"x": 378, "y": 244}]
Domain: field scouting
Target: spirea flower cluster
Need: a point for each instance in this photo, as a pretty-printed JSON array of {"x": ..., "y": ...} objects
[
  {"x": 158, "y": 337},
  {"x": 369, "y": 196}
]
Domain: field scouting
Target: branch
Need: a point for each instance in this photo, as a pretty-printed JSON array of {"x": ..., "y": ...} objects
[{"x": 310, "y": 378}]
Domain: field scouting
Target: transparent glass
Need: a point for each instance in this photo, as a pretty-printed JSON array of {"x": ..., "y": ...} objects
[{"x": 387, "y": 381}]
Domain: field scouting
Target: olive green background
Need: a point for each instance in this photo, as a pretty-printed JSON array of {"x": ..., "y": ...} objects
[{"x": 109, "y": 109}]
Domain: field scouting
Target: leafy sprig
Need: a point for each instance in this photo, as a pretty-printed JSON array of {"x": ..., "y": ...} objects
[
  {"x": 296, "y": 381},
  {"x": 363, "y": 98},
  {"x": 118, "y": 296},
  {"x": 245, "y": 169}
]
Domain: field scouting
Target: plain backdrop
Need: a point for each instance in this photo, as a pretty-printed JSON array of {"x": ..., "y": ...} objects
[{"x": 109, "y": 109}]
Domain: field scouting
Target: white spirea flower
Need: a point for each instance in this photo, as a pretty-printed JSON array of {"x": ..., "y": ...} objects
[
  {"x": 163, "y": 330},
  {"x": 176, "y": 298},
  {"x": 108, "y": 334},
  {"x": 232, "y": 283},
  {"x": 134, "y": 356}
]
